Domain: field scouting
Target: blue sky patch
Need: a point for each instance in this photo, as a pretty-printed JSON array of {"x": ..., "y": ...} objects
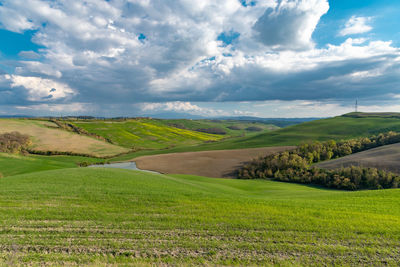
[
  {"x": 142, "y": 37},
  {"x": 228, "y": 37},
  {"x": 247, "y": 3},
  {"x": 13, "y": 43}
]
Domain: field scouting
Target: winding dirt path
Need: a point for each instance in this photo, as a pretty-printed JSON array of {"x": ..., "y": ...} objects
[{"x": 219, "y": 163}]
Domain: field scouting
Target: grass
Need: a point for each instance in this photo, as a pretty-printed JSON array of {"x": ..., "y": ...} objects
[
  {"x": 337, "y": 128},
  {"x": 12, "y": 164},
  {"x": 46, "y": 137},
  {"x": 145, "y": 133},
  {"x": 151, "y": 136},
  {"x": 242, "y": 126},
  {"x": 157, "y": 134},
  {"x": 105, "y": 216}
]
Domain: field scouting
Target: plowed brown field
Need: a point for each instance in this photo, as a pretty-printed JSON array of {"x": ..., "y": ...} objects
[{"x": 220, "y": 163}]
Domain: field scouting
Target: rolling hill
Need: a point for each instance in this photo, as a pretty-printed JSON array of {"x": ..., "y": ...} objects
[
  {"x": 337, "y": 128},
  {"x": 145, "y": 133},
  {"x": 102, "y": 216},
  {"x": 46, "y": 136},
  {"x": 13, "y": 164}
]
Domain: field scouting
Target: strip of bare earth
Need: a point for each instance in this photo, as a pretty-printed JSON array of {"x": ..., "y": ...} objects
[{"x": 219, "y": 163}]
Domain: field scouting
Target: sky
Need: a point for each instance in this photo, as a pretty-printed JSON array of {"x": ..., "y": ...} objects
[{"x": 264, "y": 58}]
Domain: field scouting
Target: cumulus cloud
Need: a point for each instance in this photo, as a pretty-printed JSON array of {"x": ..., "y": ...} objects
[
  {"x": 356, "y": 25},
  {"x": 41, "y": 89},
  {"x": 185, "y": 107},
  {"x": 139, "y": 51},
  {"x": 291, "y": 23}
]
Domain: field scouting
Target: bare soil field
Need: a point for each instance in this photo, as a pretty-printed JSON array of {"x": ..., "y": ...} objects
[
  {"x": 384, "y": 157},
  {"x": 219, "y": 164},
  {"x": 47, "y": 138}
]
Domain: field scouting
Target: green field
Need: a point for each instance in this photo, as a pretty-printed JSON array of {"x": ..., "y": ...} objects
[
  {"x": 142, "y": 134},
  {"x": 153, "y": 136},
  {"x": 242, "y": 126},
  {"x": 337, "y": 128},
  {"x": 104, "y": 216},
  {"x": 13, "y": 164},
  {"x": 53, "y": 213}
]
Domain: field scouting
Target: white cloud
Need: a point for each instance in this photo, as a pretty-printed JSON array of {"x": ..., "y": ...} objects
[
  {"x": 41, "y": 89},
  {"x": 93, "y": 54},
  {"x": 291, "y": 23},
  {"x": 71, "y": 108},
  {"x": 182, "y": 107},
  {"x": 356, "y": 25}
]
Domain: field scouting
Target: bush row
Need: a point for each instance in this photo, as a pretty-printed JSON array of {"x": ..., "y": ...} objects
[
  {"x": 295, "y": 165},
  {"x": 213, "y": 130},
  {"x": 60, "y": 153}
]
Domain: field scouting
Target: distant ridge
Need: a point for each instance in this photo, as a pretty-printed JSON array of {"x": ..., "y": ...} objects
[
  {"x": 372, "y": 115},
  {"x": 15, "y": 116},
  {"x": 280, "y": 122}
]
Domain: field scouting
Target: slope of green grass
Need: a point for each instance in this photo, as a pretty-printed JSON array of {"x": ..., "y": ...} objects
[
  {"x": 161, "y": 134},
  {"x": 104, "y": 216},
  {"x": 338, "y": 128},
  {"x": 145, "y": 133},
  {"x": 12, "y": 164},
  {"x": 242, "y": 127}
]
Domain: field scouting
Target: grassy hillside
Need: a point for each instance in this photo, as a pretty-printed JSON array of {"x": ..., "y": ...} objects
[
  {"x": 232, "y": 127},
  {"x": 46, "y": 137},
  {"x": 160, "y": 134},
  {"x": 100, "y": 216},
  {"x": 384, "y": 158},
  {"x": 338, "y": 128},
  {"x": 12, "y": 164}
]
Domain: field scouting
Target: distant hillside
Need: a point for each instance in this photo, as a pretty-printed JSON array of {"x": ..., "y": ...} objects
[
  {"x": 337, "y": 128},
  {"x": 145, "y": 133},
  {"x": 46, "y": 136},
  {"x": 373, "y": 115},
  {"x": 280, "y": 122}
]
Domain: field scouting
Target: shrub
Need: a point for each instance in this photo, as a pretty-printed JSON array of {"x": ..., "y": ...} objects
[
  {"x": 212, "y": 130},
  {"x": 14, "y": 142},
  {"x": 178, "y": 125},
  {"x": 234, "y": 127},
  {"x": 83, "y": 164},
  {"x": 254, "y": 129}
]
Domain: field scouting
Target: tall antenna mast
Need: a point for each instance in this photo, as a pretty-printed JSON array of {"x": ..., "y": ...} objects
[{"x": 356, "y": 107}]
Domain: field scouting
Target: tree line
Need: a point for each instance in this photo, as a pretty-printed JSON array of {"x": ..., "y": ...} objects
[{"x": 296, "y": 165}]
